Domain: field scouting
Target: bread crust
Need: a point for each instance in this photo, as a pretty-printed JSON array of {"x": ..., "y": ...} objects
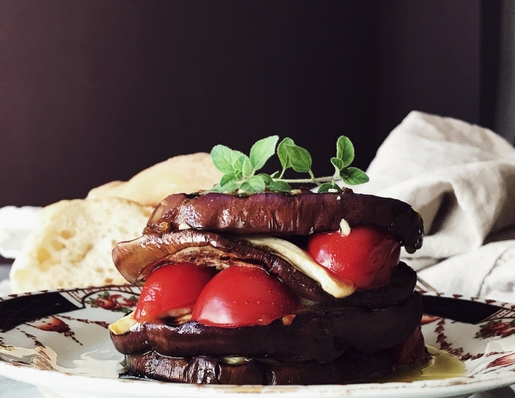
[{"x": 183, "y": 173}]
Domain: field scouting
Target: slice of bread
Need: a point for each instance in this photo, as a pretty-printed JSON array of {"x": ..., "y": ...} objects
[
  {"x": 180, "y": 174},
  {"x": 71, "y": 244}
]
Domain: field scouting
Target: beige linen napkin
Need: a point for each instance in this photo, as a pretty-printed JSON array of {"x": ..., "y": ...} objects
[
  {"x": 461, "y": 178},
  {"x": 15, "y": 224}
]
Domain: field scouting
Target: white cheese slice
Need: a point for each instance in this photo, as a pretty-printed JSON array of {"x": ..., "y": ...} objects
[
  {"x": 235, "y": 360},
  {"x": 344, "y": 227},
  {"x": 123, "y": 325},
  {"x": 183, "y": 226},
  {"x": 304, "y": 263},
  {"x": 289, "y": 252}
]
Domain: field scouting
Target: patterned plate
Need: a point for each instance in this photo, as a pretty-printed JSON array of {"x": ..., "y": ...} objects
[{"x": 59, "y": 340}]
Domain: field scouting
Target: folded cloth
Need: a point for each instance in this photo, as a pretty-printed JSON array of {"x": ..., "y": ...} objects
[
  {"x": 487, "y": 272},
  {"x": 15, "y": 225},
  {"x": 461, "y": 178}
]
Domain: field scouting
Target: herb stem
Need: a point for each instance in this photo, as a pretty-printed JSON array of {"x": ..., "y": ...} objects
[
  {"x": 240, "y": 169},
  {"x": 305, "y": 180}
]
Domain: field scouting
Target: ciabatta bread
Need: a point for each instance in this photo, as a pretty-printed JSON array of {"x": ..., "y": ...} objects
[
  {"x": 72, "y": 241},
  {"x": 71, "y": 244},
  {"x": 184, "y": 173}
]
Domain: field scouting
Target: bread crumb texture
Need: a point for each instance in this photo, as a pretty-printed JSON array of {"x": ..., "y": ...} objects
[{"x": 72, "y": 242}]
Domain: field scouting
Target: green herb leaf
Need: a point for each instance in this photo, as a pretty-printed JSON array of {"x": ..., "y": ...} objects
[
  {"x": 247, "y": 170},
  {"x": 266, "y": 178},
  {"x": 338, "y": 163},
  {"x": 263, "y": 150},
  {"x": 279, "y": 186},
  {"x": 231, "y": 186},
  {"x": 224, "y": 158},
  {"x": 283, "y": 153},
  {"x": 353, "y": 176},
  {"x": 294, "y": 156},
  {"x": 239, "y": 162},
  {"x": 228, "y": 183},
  {"x": 253, "y": 185},
  {"x": 218, "y": 188},
  {"x": 239, "y": 170},
  {"x": 228, "y": 178},
  {"x": 300, "y": 159},
  {"x": 345, "y": 150},
  {"x": 329, "y": 187}
]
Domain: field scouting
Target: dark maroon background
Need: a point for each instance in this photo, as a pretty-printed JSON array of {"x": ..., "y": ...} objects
[{"x": 92, "y": 91}]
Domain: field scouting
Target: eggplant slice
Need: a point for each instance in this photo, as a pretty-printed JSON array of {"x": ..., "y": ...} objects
[
  {"x": 312, "y": 335},
  {"x": 136, "y": 259},
  {"x": 286, "y": 214}
]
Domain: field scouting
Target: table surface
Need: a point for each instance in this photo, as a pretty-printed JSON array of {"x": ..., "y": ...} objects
[{"x": 14, "y": 389}]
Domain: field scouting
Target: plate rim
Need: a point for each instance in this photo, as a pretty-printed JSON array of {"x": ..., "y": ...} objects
[{"x": 467, "y": 384}]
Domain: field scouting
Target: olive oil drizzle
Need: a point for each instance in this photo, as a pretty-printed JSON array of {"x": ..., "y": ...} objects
[{"x": 441, "y": 365}]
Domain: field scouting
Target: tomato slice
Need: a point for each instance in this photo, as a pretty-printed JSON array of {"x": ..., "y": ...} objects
[
  {"x": 243, "y": 296},
  {"x": 365, "y": 257},
  {"x": 171, "y": 290}
]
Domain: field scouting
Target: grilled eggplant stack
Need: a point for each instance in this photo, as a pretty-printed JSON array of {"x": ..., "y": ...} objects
[{"x": 272, "y": 288}]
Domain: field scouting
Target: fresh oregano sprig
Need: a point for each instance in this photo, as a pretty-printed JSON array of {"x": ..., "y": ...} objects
[{"x": 240, "y": 172}]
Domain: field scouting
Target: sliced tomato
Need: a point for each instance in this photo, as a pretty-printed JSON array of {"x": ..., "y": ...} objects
[
  {"x": 243, "y": 296},
  {"x": 171, "y": 290},
  {"x": 365, "y": 257}
]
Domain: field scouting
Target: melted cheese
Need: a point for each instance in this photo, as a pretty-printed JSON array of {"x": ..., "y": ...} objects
[
  {"x": 123, "y": 325},
  {"x": 304, "y": 263},
  {"x": 344, "y": 227},
  {"x": 297, "y": 257},
  {"x": 235, "y": 360}
]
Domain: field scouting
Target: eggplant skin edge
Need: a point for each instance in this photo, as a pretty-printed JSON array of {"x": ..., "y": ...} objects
[
  {"x": 279, "y": 214},
  {"x": 351, "y": 367},
  {"x": 138, "y": 258},
  {"x": 284, "y": 214},
  {"x": 319, "y": 336}
]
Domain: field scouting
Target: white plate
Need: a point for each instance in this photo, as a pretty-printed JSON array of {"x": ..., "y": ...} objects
[{"x": 70, "y": 352}]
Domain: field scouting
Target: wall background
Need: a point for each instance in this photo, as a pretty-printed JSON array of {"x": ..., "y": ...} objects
[{"x": 93, "y": 91}]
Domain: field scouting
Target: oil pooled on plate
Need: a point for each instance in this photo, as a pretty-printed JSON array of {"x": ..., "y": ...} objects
[{"x": 440, "y": 366}]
